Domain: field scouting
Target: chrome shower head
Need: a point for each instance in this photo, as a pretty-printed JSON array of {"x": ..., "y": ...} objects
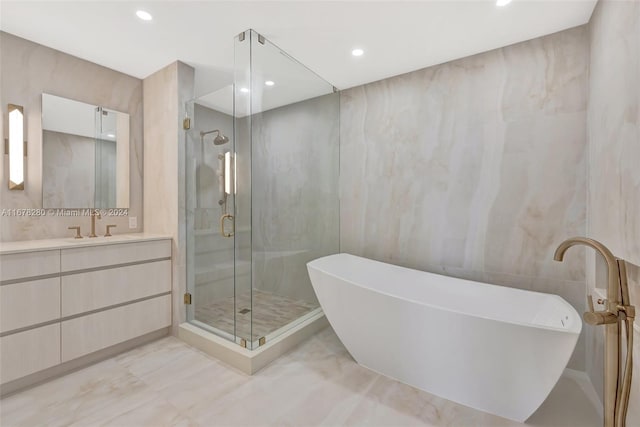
[{"x": 219, "y": 139}]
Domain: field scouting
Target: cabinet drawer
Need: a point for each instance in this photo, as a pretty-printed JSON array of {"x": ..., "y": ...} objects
[
  {"x": 29, "y": 303},
  {"x": 29, "y": 264},
  {"x": 84, "y": 292},
  {"x": 94, "y": 332},
  {"x": 121, "y": 253},
  {"x": 28, "y": 352}
]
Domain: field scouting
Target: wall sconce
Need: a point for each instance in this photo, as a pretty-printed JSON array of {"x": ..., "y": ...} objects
[
  {"x": 16, "y": 147},
  {"x": 227, "y": 172}
]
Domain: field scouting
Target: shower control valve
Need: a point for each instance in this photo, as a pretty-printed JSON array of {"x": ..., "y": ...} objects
[{"x": 593, "y": 317}]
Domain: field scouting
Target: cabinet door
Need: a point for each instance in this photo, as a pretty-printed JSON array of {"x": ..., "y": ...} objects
[
  {"x": 89, "y": 291},
  {"x": 27, "y": 352},
  {"x": 29, "y": 264},
  {"x": 120, "y": 253},
  {"x": 29, "y": 303},
  {"x": 86, "y": 334}
]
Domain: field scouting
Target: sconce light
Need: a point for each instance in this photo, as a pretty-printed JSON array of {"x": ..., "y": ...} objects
[
  {"x": 227, "y": 172},
  {"x": 16, "y": 147},
  {"x": 230, "y": 182}
]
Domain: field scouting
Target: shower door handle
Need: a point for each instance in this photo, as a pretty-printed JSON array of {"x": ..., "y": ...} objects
[{"x": 233, "y": 225}]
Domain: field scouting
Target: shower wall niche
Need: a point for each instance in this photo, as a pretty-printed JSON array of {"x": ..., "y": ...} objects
[{"x": 262, "y": 205}]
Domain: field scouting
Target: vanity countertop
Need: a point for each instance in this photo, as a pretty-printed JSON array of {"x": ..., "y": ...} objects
[{"x": 70, "y": 242}]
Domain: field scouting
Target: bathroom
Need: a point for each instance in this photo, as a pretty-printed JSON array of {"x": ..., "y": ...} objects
[{"x": 467, "y": 139}]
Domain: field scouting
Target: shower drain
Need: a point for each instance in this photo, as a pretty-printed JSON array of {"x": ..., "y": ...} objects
[{"x": 244, "y": 311}]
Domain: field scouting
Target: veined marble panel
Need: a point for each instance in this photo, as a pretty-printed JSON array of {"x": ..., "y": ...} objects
[
  {"x": 294, "y": 193},
  {"x": 165, "y": 95},
  {"x": 29, "y": 69},
  {"x": 476, "y": 166},
  {"x": 613, "y": 211},
  {"x": 439, "y": 166},
  {"x": 614, "y": 128}
]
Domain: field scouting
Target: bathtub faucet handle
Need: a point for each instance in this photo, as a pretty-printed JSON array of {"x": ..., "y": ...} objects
[{"x": 594, "y": 317}]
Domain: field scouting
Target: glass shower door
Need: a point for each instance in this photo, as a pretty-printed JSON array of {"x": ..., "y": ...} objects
[{"x": 211, "y": 265}]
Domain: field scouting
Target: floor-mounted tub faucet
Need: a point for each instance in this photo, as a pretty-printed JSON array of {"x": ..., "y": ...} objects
[{"x": 617, "y": 385}]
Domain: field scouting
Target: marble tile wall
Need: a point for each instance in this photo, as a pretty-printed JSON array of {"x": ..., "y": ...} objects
[
  {"x": 473, "y": 168},
  {"x": 166, "y": 93},
  {"x": 294, "y": 193},
  {"x": 29, "y": 69},
  {"x": 613, "y": 209}
]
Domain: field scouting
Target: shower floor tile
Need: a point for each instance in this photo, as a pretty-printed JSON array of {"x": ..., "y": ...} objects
[{"x": 269, "y": 313}]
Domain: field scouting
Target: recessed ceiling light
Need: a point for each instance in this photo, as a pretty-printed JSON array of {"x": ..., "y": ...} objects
[
  {"x": 244, "y": 90},
  {"x": 269, "y": 83},
  {"x": 144, "y": 15},
  {"x": 502, "y": 2},
  {"x": 357, "y": 52}
]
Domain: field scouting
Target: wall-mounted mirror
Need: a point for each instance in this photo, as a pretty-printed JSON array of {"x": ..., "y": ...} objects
[{"x": 85, "y": 155}]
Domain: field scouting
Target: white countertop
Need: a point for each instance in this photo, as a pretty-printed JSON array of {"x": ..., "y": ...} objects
[{"x": 70, "y": 242}]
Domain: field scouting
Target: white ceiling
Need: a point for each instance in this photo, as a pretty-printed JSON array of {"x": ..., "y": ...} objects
[{"x": 397, "y": 36}]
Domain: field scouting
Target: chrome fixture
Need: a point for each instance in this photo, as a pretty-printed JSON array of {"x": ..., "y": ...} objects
[
  {"x": 77, "y": 228},
  {"x": 218, "y": 140},
  {"x": 617, "y": 385},
  {"x": 94, "y": 213}
]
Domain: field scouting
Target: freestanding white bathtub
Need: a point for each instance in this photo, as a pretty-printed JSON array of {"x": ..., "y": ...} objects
[{"x": 493, "y": 348}]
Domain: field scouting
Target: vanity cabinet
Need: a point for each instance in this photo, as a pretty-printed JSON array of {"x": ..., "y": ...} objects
[
  {"x": 29, "y": 303},
  {"x": 59, "y": 305},
  {"x": 22, "y": 266},
  {"x": 28, "y": 352},
  {"x": 86, "y": 334}
]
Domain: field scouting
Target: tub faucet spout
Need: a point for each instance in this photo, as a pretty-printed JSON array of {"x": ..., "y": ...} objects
[{"x": 613, "y": 275}]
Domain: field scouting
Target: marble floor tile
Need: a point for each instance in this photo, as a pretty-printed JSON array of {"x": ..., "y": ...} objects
[
  {"x": 168, "y": 383},
  {"x": 66, "y": 400},
  {"x": 154, "y": 412}
]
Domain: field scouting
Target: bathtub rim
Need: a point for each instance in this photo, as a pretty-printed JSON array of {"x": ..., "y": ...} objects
[{"x": 576, "y": 330}]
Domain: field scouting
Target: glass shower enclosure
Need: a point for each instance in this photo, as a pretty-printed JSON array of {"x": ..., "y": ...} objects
[{"x": 262, "y": 166}]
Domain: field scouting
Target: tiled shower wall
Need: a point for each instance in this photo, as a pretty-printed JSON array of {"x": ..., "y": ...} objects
[
  {"x": 295, "y": 208},
  {"x": 613, "y": 208},
  {"x": 474, "y": 168}
]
